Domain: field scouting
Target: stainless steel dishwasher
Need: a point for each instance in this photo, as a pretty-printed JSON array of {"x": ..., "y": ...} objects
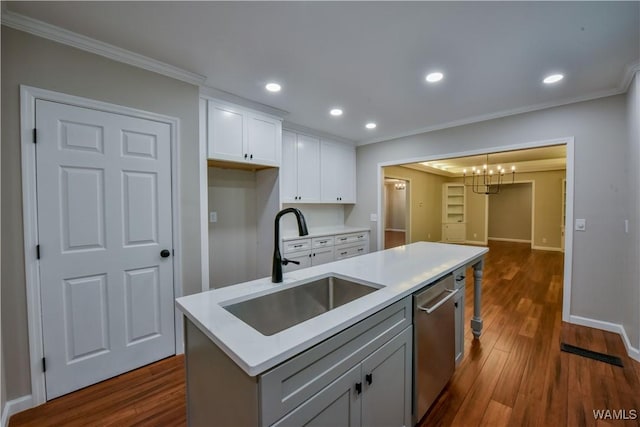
[{"x": 434, "y": 342}]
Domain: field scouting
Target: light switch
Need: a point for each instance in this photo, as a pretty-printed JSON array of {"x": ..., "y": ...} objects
[
  {"x": 213, "y": 216},
  {"x": 373, "y": 217},
  {"x": 581, "y": 225}
]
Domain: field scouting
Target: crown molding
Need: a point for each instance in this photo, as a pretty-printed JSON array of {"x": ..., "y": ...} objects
[
  {"x": 60, "y": 35},
  {"x": 627, "y": 77},
  {"x": 221, "y": 95},
  {"x": 318, "y": 133}
]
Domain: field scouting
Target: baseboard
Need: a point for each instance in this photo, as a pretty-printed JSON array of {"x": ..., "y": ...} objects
[
  {"x": 475, "y": 242},
  {"x": 617, "y": 328},
  {"x": 14, "y": 406},
  {"x": 547, "y": 248},
  {"x": 501, "y": 239},
  {"x": 395, "y": 229}
]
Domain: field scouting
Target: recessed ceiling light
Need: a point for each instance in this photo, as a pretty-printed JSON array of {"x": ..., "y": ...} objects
[
  {"x": 273, "y": 87},
  {"x": 434, "y": 77},
  {"x": 553, "y": 78},
  {"x": 336, "y": 112},
  {"x": 370, "y": 125}
]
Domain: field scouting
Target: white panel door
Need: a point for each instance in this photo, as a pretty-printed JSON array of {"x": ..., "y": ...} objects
[
  {"x": 104, "y": 216},
  {"x": 308, "y": 150}
]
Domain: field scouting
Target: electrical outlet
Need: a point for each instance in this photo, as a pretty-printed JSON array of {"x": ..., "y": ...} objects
[
  {"x": 475, "y": 235},
  {"x": 544, "y": 240},
  {"x": 428, "y": 235},
  {"x": 213, "y": 216}
]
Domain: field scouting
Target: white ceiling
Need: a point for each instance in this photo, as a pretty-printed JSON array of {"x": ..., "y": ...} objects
[{"x": 370, "y": 58}]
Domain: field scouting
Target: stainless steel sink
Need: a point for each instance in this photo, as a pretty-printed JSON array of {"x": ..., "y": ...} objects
[{"x": 275, "y": 312}]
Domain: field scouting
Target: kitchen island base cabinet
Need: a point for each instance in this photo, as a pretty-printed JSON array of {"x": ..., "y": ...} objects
[
  {"x": 374, "y": 393},
  {"x": 360, "y": 376}
]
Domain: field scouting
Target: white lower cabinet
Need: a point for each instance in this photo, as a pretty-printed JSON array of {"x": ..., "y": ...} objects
[{"x": 323, "y": 249}]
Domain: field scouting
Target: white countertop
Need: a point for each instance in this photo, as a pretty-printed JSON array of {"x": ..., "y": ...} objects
[
  {"x": 322, "y": 231},
  {"x": 400, "y": 271}
]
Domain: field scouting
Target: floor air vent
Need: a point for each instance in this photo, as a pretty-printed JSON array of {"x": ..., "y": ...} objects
[{"x": 606, "y": 358}]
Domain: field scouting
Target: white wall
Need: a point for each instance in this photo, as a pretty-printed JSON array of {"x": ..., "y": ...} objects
[
  {"x": 631, "y": 282},
  {"x": 600, "y": 131},
  {"x": 317, "y": 216},
  {"x": 233, "y": 238},
  {"x": 34, "y": 61}
]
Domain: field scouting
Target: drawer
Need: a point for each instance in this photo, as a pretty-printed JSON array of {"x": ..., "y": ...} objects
[
  {"x": 296, "y": 245},
  {"x": 349, "y": 251},
  {"x": 286, "y": 386},
  {"x": 321, "y": 242},
  {"x": 343, "y": 239}
]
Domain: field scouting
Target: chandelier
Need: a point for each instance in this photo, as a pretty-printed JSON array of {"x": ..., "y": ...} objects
[{"x": 487, "y": 179}]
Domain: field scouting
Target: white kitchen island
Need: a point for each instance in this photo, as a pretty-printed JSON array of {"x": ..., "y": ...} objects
[{"x": 264, "y": 380}]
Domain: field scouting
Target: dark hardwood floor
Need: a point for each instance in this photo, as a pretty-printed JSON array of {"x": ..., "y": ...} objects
[
  {"x": 394, "y": 238},
  {"x": 515, "y": 375}
]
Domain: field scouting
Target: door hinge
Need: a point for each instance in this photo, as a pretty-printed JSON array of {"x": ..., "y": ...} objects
[
  {"x": 44, "y": 364},
  {"x": 38, "y": 251},
  {"x": 35, "y": 136}
]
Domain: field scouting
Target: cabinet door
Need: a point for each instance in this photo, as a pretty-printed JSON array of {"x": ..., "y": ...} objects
[
  {"x": 337, "y": 173},
  {"x": 308, "y": 153},
  {"x": 263, "y": 140},
  {"x": 338, "y": 404},
  {"x": 386, "y": 399},
  {"x": 304, "y": 258},
  {"x": 322, "y": 256},
  {"x": 289, "y": 168},
  {"x": 226, "y": 133}
]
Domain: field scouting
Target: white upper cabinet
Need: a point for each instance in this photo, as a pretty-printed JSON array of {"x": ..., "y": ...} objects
[
  {"x": 337, "y": 172},
  {"x": 238, "y": 135},
  {"x": 300, "y": 170}
]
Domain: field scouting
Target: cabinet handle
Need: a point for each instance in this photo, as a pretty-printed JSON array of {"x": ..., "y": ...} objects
[
  {"x": 358, "y": 388},
  {"x": 297, "y": 246},
  {"x": 245, "y": 155},
  {"x": 314, "y": 254},
  {"x": 369, "y": 378},
  {"x": 361, "y": 249},
  {"x": 342, "y": 239},
  {"x": 455, "y": 304},
  {"x": 251, "y": 156},
  {"x": 323, "y": 242},
  {"x": 343, "y": 253},
  {"x": 460, "y": 277}
]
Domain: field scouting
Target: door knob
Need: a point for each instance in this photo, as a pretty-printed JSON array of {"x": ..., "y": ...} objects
[{"x": 165, "y": 253}]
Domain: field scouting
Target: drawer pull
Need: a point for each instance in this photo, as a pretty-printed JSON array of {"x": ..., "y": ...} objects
[
  {"x": 298, "y": 246},
  {"x": 343, "y": 253},
  {"x": 360, "y": 249},
  {"x": 323, "y": 241},
  {"x": 343, "y": 239}
]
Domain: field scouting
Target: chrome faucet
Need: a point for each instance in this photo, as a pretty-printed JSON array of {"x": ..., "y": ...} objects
[{"x": 278, "y": 261}]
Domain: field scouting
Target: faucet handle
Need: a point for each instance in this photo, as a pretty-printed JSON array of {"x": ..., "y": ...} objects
[{"x": 287, "y": 261}]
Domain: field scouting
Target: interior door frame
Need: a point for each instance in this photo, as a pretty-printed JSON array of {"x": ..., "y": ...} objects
[
  {"x": 407, "y": 209},
  {"x": 569, "y": 176},
  {"x": 28, "y": 97}
]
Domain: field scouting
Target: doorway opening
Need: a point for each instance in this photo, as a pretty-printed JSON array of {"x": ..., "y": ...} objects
[
  {"x": 544, "y": 167},
  {"x": 397, "y": 212}
]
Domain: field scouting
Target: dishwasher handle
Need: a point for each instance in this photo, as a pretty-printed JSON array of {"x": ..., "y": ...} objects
[{"x": 429, "y": 310}]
